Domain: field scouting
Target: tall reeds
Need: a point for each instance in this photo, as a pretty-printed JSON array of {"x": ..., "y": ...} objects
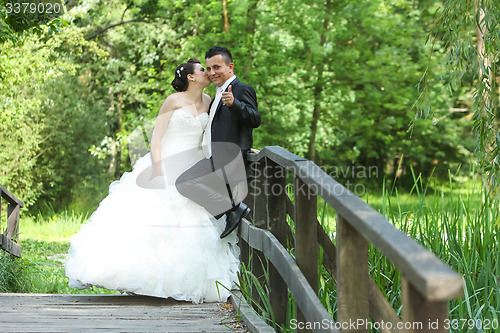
[{"x": 457, "y": 224}]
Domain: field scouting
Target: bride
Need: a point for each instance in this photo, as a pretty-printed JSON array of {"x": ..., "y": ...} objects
[{"x": 145, "y": 238}]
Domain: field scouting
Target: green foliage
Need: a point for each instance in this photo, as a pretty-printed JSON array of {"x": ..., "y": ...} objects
[
  {"x": 461, "y": 233},
  {"x": 49, "y": 120},
  {"x": 249, "y": 281},
  {"x": 469, "y": 30},
  {"x": 335, "y": 81},
  {"x": 382, "y": 76},
  {"x": 20, "y": 16},
  {"x": 13, "y": 273}
]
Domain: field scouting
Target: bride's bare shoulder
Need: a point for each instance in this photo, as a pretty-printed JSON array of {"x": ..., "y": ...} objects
[
  {"x": 175, "y": 98},
  {"x": 172, "y": 102}
]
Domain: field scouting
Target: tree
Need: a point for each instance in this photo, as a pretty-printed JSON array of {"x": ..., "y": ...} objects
[
  {"x": 470, "y": 33},
  {"x": 18, "y": 17},
  {"x": 335, "y": 82},
  {"x": 49, "y": 119},
  {"x": 340, "y": 79}
]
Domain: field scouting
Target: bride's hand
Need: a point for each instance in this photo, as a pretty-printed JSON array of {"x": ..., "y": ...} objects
[
  {"x": 254, "y": 151},
  {"x": 157, "y": 182}
]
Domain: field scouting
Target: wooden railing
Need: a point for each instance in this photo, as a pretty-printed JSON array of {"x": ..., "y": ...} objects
[
  {"x": 10, "y": 236},
  {"x": 427, "y": 283}
]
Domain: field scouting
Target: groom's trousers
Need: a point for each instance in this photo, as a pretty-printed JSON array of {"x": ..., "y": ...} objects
[{"x": 218, "y": 183}]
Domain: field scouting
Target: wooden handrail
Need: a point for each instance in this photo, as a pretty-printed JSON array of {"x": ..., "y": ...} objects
[
  {"x": 427, "y": 283},
  {"x": 428, "y": 274},
  {"x": 379, "y": 308},
  {"x": 10, "y": 236},
  {"x": 264, "y": 241},
  {"x": 10, "y": 197}
]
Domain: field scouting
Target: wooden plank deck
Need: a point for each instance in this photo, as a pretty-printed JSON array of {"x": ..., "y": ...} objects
[{"x": 111, "y": 313}]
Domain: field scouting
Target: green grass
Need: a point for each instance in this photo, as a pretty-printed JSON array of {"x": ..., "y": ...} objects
[
  {"x": 460, "y": 225},
  {"x": 51, "y": 227},
  {"x": 45, "y": 242}
]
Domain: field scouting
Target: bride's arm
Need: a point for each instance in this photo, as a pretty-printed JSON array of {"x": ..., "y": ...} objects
[{"x": 159, "y": 130}]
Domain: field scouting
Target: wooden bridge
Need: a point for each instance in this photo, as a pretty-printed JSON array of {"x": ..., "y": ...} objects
[
  {"x": 427, "y": 283},
  {"x": 114, "y": 313},
  {"x": 10, "y": 236}
]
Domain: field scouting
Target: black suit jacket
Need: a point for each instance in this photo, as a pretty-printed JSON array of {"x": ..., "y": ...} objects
[{"x": 235, "y": 124}]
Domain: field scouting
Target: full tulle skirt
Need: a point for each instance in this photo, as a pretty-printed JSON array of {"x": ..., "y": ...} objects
[{"x": 153, "y": 242}]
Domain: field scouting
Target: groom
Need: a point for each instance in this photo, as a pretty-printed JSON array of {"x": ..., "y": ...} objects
[{"x": 227, "y": 140}]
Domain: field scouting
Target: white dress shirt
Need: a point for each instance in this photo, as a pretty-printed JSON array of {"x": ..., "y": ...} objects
[{"x": 207, "y": 135}]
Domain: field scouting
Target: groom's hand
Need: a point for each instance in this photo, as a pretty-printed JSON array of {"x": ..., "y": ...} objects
[{"x": 227, "y": 97}]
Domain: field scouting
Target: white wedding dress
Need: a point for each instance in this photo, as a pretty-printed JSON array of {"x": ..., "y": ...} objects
[{"x": 155, "y": 241}]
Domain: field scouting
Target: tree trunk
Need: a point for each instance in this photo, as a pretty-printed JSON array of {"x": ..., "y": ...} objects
[
  {"x": 111, "y": 168},
  {"x": 488, "y": 95},
  {"x": 318, "y": 88},
  {"x": 481, "y": 32},
  {"x": 311, "y": 152},
  {"x": 252, "y": 18},
  {"x": 226, "y": 19},
  {"x": 250, "y": 32},
  {"x": 118, "y": 131}
]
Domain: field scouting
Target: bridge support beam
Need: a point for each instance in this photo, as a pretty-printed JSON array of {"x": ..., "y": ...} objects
[
  {"x": 421, "y": 314},
  {"x": 257, "y": 189},
  {"x": 352, "y": 278},
  {"x": 277, "y": 225},
  {"x": 306, "y": 237}
]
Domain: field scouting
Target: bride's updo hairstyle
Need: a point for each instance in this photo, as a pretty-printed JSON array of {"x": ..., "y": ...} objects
[{"x": 180, "y": 82}]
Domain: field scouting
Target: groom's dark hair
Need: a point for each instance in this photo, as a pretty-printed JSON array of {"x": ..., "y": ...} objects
[{"x": 223, "y": 51}]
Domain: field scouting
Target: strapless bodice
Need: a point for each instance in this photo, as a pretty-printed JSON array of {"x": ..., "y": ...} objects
[
  {"x": 184, "y": 132},
  {"x": 183, "y": 119}
]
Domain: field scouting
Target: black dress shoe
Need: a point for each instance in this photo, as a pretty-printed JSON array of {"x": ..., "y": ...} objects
[
  {"x": 218, "y": 216},
  {"x": 234, "y": 217}
]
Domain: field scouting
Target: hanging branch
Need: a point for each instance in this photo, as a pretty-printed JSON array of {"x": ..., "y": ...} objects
[
  {"x": 97, "y": 33},
  {"x": 469, "y": 33}
]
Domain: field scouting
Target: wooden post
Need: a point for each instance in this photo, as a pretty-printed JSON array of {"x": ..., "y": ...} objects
[
  {"x": 352, "y": 277},
  {"x": 259, "y": 217},
  {"x": 250, "y": 202},
  {"x": 258, "y": 187},
  {"x": 12, "y": 231},
  {"x": 0, "y": 210},
  {"x": 10, "y": 235},
  {"x": 306, "y": 236},
  {"x": 420, "y": 314},
  {"x": 276, "y": 201}
]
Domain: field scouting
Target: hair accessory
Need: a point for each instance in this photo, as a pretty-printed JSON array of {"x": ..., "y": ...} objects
[{"x": 179, "y": 71}]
